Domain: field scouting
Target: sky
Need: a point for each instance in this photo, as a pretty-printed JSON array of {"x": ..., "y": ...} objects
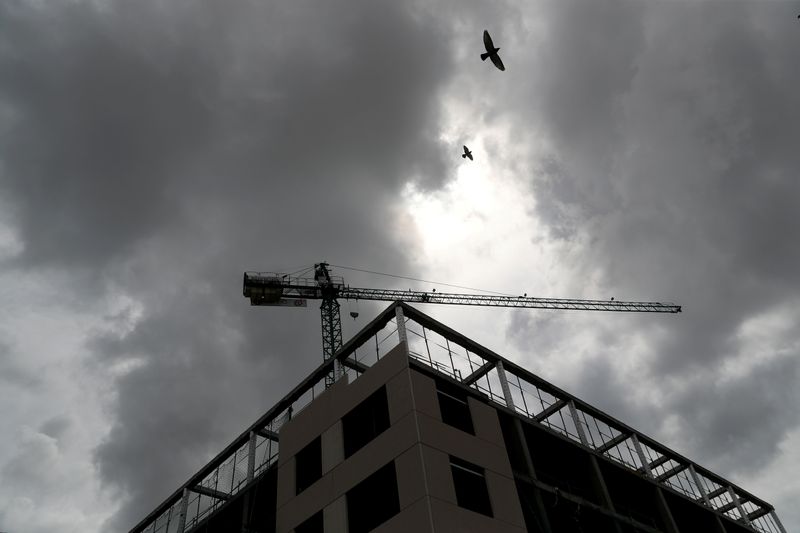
[{"x": 151, "y": 151}]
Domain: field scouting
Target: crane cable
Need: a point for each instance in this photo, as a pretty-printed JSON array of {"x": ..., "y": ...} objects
[{"x": 422, "y": 280}]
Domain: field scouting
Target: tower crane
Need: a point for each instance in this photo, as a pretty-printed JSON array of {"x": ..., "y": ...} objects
[{"x": 284, "y": 290}]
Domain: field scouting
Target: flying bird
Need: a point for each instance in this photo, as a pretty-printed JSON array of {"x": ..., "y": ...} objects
[
  {"x": 467, "y": 153},
  {"x": 491, "y": 51}
]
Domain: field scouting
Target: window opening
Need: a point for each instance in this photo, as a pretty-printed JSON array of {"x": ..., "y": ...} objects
[
  {"x": 470, "y": 484},
  {"x": 308, "y": 465}
]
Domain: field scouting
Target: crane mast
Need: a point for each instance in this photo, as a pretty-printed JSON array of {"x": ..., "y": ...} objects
[{"x": 274, "y": 289}]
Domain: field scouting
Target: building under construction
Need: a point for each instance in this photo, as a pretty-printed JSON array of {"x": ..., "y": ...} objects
[{"x": 426, "y": 431}]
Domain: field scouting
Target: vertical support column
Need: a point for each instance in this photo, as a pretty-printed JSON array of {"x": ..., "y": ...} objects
[
  {"x": 251, "y": 457},
  {"x": 501, "y": 373},
  {"x": 581, "y": 433},
  {"x": 537, "y": 494},
  {"x": 427, "y": 346},
  {"x": 640, "y": 452},
  {"x": 184, "y": 510},
  {"x": 702, "y": 489},
  {"x": 738, "y": 503},
  {"x": 601, "y": 489},
  {"x": 401, "y": 326},
  {"x": 169, "y": 517},
  {"x": 251, "y": 471},
  {"x": 777, "y": 522},
  {"x": 700, "y": 486},
  {"x": 666, "y": 513}
]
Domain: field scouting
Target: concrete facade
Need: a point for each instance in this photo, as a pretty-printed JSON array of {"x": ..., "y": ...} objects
[{"x": 417, "y": 442}]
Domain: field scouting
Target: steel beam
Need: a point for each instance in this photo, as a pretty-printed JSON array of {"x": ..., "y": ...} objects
[
  {"x": 715, "y": 493},
  {"x": 777, "y": 521},
  {"x": 267, "y": 434},
  {"x": 501, "y": 374},
  {"x": 619, "y": 439},
  {"x": 355, "y": 365},
  {"x": 550, "y": 411},
  {"x": 758, "y": 513},
  {"x": 640, "y": 452},
  {"x": 699, "y": 485},
  {"x": 251, "y": 457},
  {"x": 738, "y": 504},
  {"x": 478, "y": 374},
  {"x": 213, "y": 493},
  {"x": 401, "y": 325},
  {"x": 638, "y": 526},
  {"x": 183, "y": 510},
  {"x": 578, "y": 427},
  {"x": 522, "y": 441},
  {"x": 677, "y": 469},
  {"x": 658, "y": 462}
]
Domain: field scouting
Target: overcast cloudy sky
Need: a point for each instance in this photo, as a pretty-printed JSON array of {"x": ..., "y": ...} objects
[{"x": 151, "y": 151}]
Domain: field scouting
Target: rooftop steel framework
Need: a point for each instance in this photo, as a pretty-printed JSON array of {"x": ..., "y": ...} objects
[{"x": 434, "y": 347}]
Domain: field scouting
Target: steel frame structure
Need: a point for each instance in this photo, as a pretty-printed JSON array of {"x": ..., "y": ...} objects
[{"x": 434, "y": 347}]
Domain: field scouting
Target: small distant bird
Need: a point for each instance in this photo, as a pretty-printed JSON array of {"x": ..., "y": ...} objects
[
  {"x": 491, "y": 51},
  {"x": 612, "y": 298},
  {"x": 467, "y": 153}
]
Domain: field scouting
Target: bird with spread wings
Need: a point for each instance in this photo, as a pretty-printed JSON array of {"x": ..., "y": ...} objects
[{"x": 491, "y": 51}]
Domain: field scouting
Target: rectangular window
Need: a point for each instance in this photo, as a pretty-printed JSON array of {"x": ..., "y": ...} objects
[
  {"x": 454, "y": 407},
  {"x": 470, "y": 484},
  {"x": 308, "y": 465},
  {"x": 312, "y": 525},
  {"x": 373, "y": 501},
  {"x": 365, "y": 422}
]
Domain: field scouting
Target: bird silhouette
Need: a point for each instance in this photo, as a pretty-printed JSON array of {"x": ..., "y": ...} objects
[
  {"x": 467, "y": 153},
  {"x": 491, "y": 51}
]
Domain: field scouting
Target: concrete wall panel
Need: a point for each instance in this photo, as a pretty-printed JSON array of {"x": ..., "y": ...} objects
[
  {"x": 334, "y": 403},
  {"x": 332, "y": 447},
  {"x": 335, "y": 516},
  {"x": 309, "y": 423},
  {"x": 448, "y": 517},
  {"x": 410, "y": 478},
  {"x": 464, "y": 446},
  {"x": 305, "y": 504},
  {"x": 398, "y": 393},
  {"x": 505, "y": 500},
  {"x": 286, "y": 482},
  {"x": 487, "y": 425},
  {"x": 413, "y": 519},
  {"x": 425, "y": 399},
  {"x": 384, "y": 448},
  {"x": 437, "y": 468}
]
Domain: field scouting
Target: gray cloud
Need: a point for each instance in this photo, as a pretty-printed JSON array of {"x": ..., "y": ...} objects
[
  {"x": 674, "y": 159},
  {"x": 157, "y": 151}
]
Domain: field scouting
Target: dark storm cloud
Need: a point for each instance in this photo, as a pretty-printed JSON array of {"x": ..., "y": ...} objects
[
  {"x": 674, "y": 129},
  {"x": 759, "y": 407},
  {"x": 165, "y": 148}
]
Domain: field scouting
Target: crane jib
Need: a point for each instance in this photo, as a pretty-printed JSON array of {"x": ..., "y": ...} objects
[{"x": 285, "y": 291}]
